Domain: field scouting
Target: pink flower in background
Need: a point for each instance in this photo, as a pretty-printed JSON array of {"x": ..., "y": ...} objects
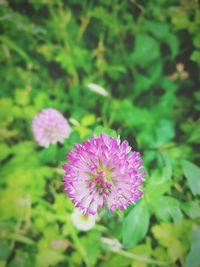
[
  {"x": 49, "y": 127},
  {"x": 103, "y": 171}
]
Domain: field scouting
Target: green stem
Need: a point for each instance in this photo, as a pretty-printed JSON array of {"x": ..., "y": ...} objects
[
  {"x": 12, "y": 45},
  {"x": 77, "y": 241},
  {"x": 139, "y": 258}
]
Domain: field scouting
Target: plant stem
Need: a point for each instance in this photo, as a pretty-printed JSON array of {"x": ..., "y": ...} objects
[
  {"x": 138, "y": 258},
  {"x": 77, "y": 241}
]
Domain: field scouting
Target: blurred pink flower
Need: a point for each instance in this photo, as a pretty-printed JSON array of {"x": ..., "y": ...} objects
[
  {"x": 49, "y": 127},
  {"x": 103, "y": 171},
  {"x": 60, "y": 244}
]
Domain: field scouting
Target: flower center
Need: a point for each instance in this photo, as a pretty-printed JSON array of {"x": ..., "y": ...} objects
[
  {"x": 51, "y": 132},
  {"x": 106, "y": 172},
  {"x": 84, "y": 218},
  {"x": 102, "y": 185},
  {"x": 101, "y": 182}
]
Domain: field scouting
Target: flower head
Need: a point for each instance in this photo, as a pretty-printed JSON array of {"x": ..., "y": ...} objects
[
  {"x": 49, "y": 127},
  {"x": 103, "y": 171},
  {"x": 83, "y": 222}
]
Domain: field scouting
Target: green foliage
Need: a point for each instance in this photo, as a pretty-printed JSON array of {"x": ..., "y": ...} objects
[
  {"x": 146, "y": 54},
  {"x": 170, "y": 236}
]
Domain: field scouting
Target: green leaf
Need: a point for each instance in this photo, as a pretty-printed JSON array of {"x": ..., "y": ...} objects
[
  {"x": 158, "y": 29},
  {"x": 135, "y": 225},
  {"x": 196, "y": 40},
  {"x": 143, "y": 83},
  {"x": 156, "y": 71},
  {"x": 196, "y": 56},
  {"x": 192, "y": 173},
  {"x": 49, "y": 258},
  {"x": 192, "y": 209},
  {"x": 99, "y": 130},
  {"x": 195, "y": 133},
  {"x": 146, "y": 50},
  {"x": 22, "y": 96},
  {"x": 193, "y": 257},
  {"x": 116, "y": 260},
  {"x": 168, "y": 236},
  {"x": 4, "y": 151},
  {"x": 141, "y": 250},
  {"x": 91, "y": 243},
  {"x": 15, "y": 47},
  {"x": 173, "y": 43},
  {"x": 158, "y": 184},
  {"x": 164, "y": 132},
  {"x": 167, "y": 208},
  {"x": 115, "y": 71},
  {"x": 74, "y": 138},
  {"x": 21, "y": 238},
  {"x": 5, "y": 250}
]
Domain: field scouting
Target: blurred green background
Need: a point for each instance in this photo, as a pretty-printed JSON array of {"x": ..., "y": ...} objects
[{"x": 146, "y": 56}]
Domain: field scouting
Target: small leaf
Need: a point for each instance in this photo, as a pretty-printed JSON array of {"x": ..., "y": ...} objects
[
  {"x": 192, "y": 173},
  {"x": 158, "y": 184},
  {"x": 196, "y": 56},
  {"x": 168, "y": 236},
  {"x": 192, "y": 209},
  {"x": 196, "y": 40},
  {"x": 167, "y": 208},
  {"x": 135, "y": 225},
  {"x": 146, "y": 50},
  {"x": 158, "y": 29},
  {"x": 173, "y": 43}
]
